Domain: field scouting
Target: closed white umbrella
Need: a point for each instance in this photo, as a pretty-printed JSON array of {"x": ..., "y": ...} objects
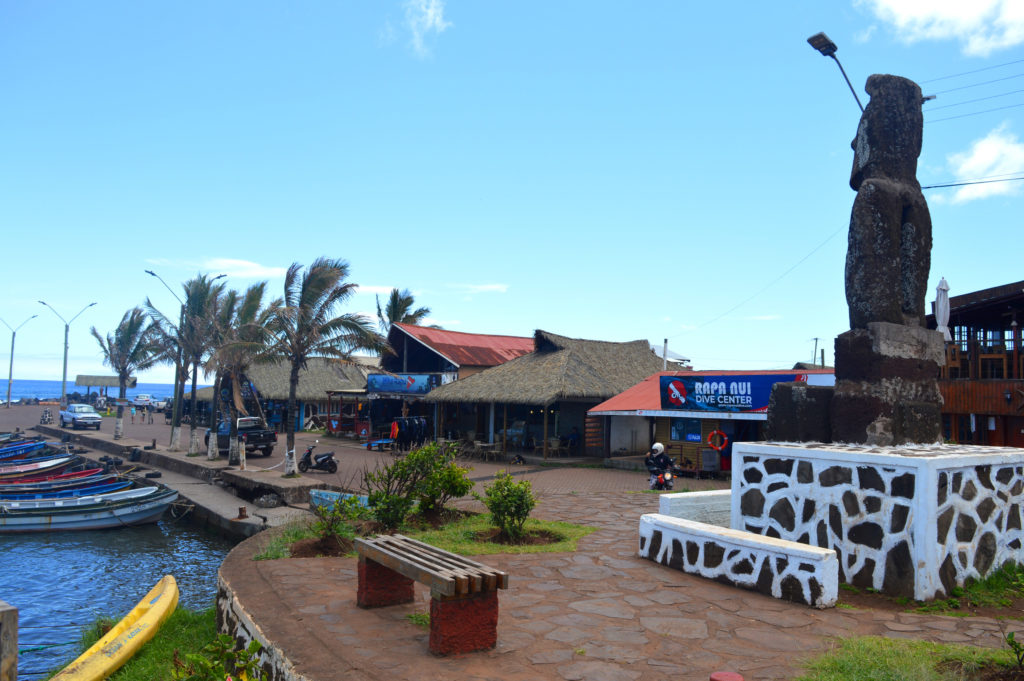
[{"x": 942, "y": 309}]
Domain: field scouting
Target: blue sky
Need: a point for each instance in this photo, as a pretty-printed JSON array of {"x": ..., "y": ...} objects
[{"x": 610, "y": 171}]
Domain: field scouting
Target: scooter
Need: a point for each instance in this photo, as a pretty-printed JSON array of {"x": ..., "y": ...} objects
[
  {"x": 661, "y": 479},
  {"x": 320, "y": 462}
]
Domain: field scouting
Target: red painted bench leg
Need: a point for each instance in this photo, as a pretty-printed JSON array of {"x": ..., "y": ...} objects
[
  {"x": 380, "y": 586},
  {"x": 464, "y": 625}
]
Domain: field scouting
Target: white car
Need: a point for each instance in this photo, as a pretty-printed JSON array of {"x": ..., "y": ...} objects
[
  {"x": 80, "y": 416},
  {"x": 142, "y": 400}
]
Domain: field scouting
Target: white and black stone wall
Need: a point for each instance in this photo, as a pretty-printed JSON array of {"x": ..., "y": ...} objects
[
  {"x": 978, "y": 521},
  {"x": 862, "y": 512},
  {"x": 782, "y": 569},
  {"x": 910, "y": 521}
]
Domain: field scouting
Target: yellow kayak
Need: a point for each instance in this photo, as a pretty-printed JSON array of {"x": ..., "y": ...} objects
[{"x": 126, "y": 637}]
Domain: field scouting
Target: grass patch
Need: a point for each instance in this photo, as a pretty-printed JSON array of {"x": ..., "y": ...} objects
[
  {"x": 998, "y": 590},
  {"x": 186, "y": 631},
  {"x": 460, "y": 537},
  {"x": 885, "y": 659},
  {"x": 278, "y": 545},
  {"x": 420, "y": 619}
]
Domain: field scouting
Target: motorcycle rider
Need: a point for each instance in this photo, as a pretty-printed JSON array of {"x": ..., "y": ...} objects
[{"x": 656, "y": 461}]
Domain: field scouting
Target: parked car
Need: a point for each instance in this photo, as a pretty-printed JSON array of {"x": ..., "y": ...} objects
[
  {"x": 252, "y": 433},
  {"x": 142, "y": 400},
  {"x": 80, "y": 416},
  {"x": 160, "y": 403}
]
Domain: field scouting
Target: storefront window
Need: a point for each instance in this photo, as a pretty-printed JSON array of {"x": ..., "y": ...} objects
[{"x": 685, "y": 430}]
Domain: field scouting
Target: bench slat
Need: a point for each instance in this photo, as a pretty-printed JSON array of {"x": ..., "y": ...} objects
[{"x": 445, "y": 573}]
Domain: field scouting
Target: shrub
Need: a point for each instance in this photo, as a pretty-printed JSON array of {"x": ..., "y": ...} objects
[
  {"x": 333, "y": 522},
  {"x": 510, "y": 503},
  {"x": 425, "y": 475}
]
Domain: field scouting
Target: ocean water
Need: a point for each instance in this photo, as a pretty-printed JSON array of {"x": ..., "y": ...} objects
[{"x": 43, "y": 390}]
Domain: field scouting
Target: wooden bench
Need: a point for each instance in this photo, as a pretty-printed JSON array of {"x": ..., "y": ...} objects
[{"x": 464, "y": 593}]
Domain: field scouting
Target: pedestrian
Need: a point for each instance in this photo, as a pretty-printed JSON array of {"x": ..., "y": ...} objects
[
  {"x": 149, "y": 412},
  {"x": 133, "y": 413}
]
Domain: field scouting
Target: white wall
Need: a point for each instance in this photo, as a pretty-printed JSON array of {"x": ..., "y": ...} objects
[{"x": 630, "y": 433}]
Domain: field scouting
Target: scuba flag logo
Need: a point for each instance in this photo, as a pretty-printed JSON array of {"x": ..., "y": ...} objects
[{"x": 676, "y": 393}]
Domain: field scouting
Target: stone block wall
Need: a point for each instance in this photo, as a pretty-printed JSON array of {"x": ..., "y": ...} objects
[
  {"x": 910, "y": 521},
  {"x": 712, "y": 507},
  {"x": 774, "y": 567}
]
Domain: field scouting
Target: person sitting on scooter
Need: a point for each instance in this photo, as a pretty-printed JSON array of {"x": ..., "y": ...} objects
[{"x": 657, "y": 460}]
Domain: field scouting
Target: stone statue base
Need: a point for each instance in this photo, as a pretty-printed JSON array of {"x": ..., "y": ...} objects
[{"x": 886, "y": 385}]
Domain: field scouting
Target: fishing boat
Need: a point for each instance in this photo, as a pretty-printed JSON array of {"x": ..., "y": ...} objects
[
  {"x": 95, "y": 489},
  {"x": 100, "y": 478},
  {"x": 116, "y": 509},
  {"x": 27, "y": 467},
  {"x": 21, "y": 448},
  {"x": 51, "y": 477},
  {"x": 126, "y": 637}
]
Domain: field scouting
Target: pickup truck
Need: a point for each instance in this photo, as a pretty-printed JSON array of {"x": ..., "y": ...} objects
[
  {"x": 80, "y": 416},
  {"x": 251, "y": 432}
]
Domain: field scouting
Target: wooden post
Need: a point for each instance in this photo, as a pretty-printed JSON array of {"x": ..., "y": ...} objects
[
  {"x": 8, "y": 642},
  {"x": 504, "y": 431},
  {"x": 545, "y": 408},
  {"x": 1015, "y": 339}
]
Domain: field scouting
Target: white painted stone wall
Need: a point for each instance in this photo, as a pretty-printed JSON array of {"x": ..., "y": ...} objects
[
  {"x": 783, "y": 569},
  {"x": 910, "y": 521},
  {"x": 712, "y": 507}
]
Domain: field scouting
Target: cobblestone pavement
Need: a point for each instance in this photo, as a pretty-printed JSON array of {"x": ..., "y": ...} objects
[{"x": 599, "y": 614}]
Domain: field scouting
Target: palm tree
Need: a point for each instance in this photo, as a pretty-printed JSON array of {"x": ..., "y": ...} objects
[
  {"x": 305, "y": 326},
  {"x": 240, "y": 340},
  {"x": 165, "y": 335},
  {"x": 129, "y": 350},
  {"x": 399, "y": 308}
]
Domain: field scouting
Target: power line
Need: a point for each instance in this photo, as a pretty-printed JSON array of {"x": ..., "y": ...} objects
[
  {"x": 972, "y": 101},
  {"x": 769, "y": 284},
  {"x": 976, "y": 113},
  {"x": 967, "y": 73},
  {"x": 964, "y": 184},
  {"x": 986, "y": 82}
]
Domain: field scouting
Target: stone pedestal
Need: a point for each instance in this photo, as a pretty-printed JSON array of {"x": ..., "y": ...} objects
[
  {"x": 798, "y": 412},
  {"x": 886, "y": 385},
  {"x": 381, "y": 586},
  {"x": 464, "y": 624}
]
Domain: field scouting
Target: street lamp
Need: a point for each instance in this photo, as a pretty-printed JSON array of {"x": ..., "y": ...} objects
[
  {"x": 179, "y": 382},
  {"x": 10, "y": 372},
  {"x": 67, "y": 326},
  {"x": 822, "y": 43}
]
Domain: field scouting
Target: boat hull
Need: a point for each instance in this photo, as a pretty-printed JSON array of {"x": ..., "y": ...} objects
[
  {"x": 97, "y": 517},
  {"x": 126, "y": 637}
]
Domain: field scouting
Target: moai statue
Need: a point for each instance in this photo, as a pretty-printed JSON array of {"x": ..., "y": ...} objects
[{"x": 887, "y": 364}]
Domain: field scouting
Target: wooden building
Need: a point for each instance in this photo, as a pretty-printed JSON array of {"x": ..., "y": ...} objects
[{"x": 982, "y": 384}]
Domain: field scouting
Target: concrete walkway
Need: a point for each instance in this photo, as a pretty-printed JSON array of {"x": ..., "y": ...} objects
[{"x": 599, "y": 614}]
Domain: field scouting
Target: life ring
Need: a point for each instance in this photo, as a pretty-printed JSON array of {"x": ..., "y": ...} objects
[{"x": 723, "y": 440}]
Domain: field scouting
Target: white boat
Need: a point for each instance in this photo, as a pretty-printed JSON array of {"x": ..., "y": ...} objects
[
  {"x": 126, "y": 510},
  {"x": 76, "y": 502}
]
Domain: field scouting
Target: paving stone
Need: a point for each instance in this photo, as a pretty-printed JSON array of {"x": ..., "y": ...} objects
[
  {"x": 597, "y": 671},
  {"x": 551, "y": 656},
  {"x": 676, "y": 626},
  {"x": 771, "y": 639},
  {"x": 624, "y": 635},
  {"x": 638, "y": 601},
  {"x": 605, "y": 607},
  {"x": 567, "y": 635},
  {"x": 786, "y": 618},
  {"x": 613, "y": 652}
]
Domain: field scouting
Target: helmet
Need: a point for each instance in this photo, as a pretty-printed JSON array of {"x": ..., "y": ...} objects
[{"x": 657, "y": 448}]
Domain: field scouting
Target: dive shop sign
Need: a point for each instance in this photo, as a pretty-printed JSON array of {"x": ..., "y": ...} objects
[{"x": 726, "y": 393}]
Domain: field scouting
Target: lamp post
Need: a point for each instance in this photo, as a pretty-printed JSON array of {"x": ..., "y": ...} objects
[
  {"x": 822, "y": 43},
  {"x": 10, "y": 371},
  {"x": 67, "y": 327},
  {"x": 179, "y": 382}
]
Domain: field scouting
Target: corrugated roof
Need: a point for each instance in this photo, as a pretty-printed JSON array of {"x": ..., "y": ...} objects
[
  {"x": 468, "y": 349},
  {"x": 646, "y": 395},
  {"x": 560, "y": 368},
  {"x": 103, "y": 381}
]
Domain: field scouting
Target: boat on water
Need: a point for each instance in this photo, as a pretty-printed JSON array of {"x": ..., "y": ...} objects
[
  {"x": 22, "y": 486},
  {"x": 96, "y": 488},
  {"x": 92, "y": 512},
  {"x": 51, "y": 477},
  {"x": 125, "y": 638},
  {"x": 27, "y": 467}
]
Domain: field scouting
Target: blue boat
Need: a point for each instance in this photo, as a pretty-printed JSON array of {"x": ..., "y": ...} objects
[
  {"x": 115, "y": 510},
  {"x": 65, "y": 493}
]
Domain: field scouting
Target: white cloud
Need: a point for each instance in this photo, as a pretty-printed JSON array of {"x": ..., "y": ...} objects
[
  {"x": 242, "y": 269},
  {"x": 423, "y": 17},
  {"x": 997, "y": 154},
  {"x": 982, "y": 26},
  {"x": 865, "y": 35},
  {"x": 480, "y": 288}
]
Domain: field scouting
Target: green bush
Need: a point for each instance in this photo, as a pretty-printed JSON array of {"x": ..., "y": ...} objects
[
  {"x": 425, "y": 475},
  {"x": 334, "y": 521},
  {"x": 510, "y": 503}
]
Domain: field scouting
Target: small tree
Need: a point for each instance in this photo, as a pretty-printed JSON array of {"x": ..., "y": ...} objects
[
  {"x": 131, "y": 348},
  {"x": 510, "y": 503}
]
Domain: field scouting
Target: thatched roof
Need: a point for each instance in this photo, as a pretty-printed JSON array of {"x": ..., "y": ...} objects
[
  {"x": 559, "y": 368},
  {"x": 103, "y": 381},
  {"x": 319, "y": 377}
]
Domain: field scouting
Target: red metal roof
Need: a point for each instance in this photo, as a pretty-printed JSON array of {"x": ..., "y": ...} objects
[
  {"x": 646, "y": 396},
  {"x": 470, "y": 349}
]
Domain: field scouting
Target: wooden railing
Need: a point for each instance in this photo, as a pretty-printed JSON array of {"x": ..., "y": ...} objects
[{"x": 983, "y": 360}]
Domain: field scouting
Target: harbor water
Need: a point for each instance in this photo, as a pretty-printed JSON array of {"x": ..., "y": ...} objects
[{"x": 62, "y": 581}]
